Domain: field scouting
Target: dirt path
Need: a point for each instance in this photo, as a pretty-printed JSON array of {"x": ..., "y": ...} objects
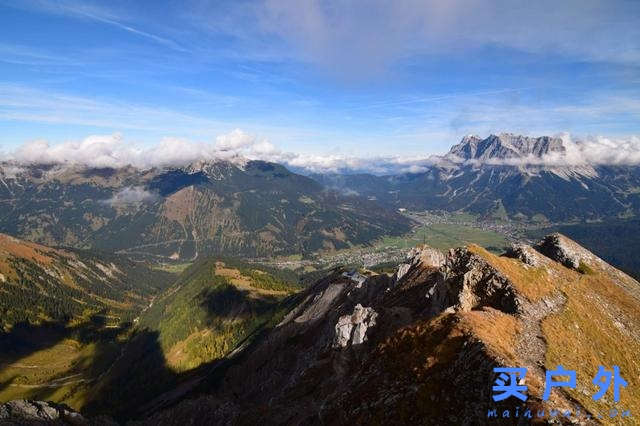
[{"x": 531, "y": 346}]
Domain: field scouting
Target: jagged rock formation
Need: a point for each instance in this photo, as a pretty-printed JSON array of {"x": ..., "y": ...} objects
[
  {"x": 505, "y": 146},
  {"x": 420, "y": 347},
  {"x": 526, "y": 254},
  {"x": 352, "y": 329},
  {"x": 563, "y": 250}
]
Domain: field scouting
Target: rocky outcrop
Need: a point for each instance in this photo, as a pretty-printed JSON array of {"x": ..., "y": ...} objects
[
  {"x": 352, "y": 329},
  {"x": 25, "y": 412},
  {"x": 563, "y": 250},
  {"x": 472, "y": 283},
  {"x": 554, "y": 246},
  {"x": 423, "y": 256},
  {"x": 526, "y": 254}
]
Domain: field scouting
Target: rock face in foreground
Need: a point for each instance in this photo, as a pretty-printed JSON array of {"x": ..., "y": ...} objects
[
  {"x": 420, "y": 347},
  {"x": 24, "y": 412}
]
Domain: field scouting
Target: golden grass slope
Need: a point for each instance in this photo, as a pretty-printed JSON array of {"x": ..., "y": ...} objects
[{"x": 599, "y": 325}]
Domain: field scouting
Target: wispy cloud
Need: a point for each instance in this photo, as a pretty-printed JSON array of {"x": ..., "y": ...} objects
[
  {"x": 25, "y": 55},
  {"x": 98, "y": 13},
  {"x": 370, "y": 35},
  {"x": 22, "y": 103},
  {"x": 166, "y": 42}
]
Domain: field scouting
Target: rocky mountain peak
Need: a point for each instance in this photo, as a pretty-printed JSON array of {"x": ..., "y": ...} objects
[{"x": 505, "y": 146}]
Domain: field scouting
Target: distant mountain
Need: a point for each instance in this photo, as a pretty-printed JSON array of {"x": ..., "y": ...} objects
[
  {"x": 505, "y": 146},
  {"x": 506, "y": 176},
  {"x": 232, "y": 207}
]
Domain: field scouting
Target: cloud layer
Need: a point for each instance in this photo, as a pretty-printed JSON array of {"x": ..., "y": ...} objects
[{"x": 114, "y": 151}]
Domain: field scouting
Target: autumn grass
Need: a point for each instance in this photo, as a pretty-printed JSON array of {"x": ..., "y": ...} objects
[
  {"x": 427, "y": 355},
  {"x": 584, "y": 336},
  {"x": 496, "y": 329}
]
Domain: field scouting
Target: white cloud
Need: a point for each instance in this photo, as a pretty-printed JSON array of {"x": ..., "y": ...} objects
[
  {"x": 603, "y": 151},
  {"x": 235, "y": 140},
  {"x": 131, "y": 195},
  {"x": 95, "y": 151},
  {"x": 114, "y": 151}
]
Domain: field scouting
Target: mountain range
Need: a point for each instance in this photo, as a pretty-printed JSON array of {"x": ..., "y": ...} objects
[
  {"x": 507, "y": 176},
  {"x": 242, "y": 207}
]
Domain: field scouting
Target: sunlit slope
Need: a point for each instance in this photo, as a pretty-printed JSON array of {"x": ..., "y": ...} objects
[
  {"x": 212, "y": 308},
  {"x": 64, "y": 316},
  {"x": 39, "y": 283}
]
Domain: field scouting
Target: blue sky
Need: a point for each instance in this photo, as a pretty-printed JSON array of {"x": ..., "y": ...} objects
[{"x": 341, "y": 78}]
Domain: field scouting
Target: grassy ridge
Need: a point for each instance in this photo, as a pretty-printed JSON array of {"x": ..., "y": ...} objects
[{"x": 211, "y": 308}]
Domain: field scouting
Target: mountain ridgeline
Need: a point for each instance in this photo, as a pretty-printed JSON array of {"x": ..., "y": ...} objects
[
  {"x": 152, "y": 293},
  {"x": 247, "y": 208},
  {"x": 419, "y": 346},
  {"x": 414, "y": 347}
]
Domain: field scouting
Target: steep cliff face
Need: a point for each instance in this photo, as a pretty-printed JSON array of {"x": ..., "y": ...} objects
[
  {"x": 420, "y": 346},
  {"x": 506, "y": 146}
]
